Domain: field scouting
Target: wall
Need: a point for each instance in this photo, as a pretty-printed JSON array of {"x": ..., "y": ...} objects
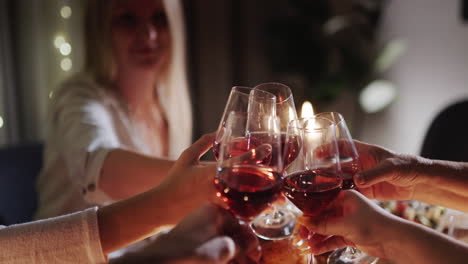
[
  {"x": 37, "y": 60},
  {"x": 432, "y": 74}
]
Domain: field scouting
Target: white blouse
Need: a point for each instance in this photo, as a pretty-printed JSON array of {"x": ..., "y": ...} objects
[
  {"x": 86, "y": 121},
  {"x": 71, "y": 238}
]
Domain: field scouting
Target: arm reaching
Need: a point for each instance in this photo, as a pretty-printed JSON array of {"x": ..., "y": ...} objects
[
  {"x": 186, "y": 187},
  {"x": 382, "y": 234},
  {"x": 387, "y": 175},
  {"x": 205, "y": 236}
]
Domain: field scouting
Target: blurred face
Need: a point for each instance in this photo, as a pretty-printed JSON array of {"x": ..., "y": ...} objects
[{"x": 140, "y": 35}]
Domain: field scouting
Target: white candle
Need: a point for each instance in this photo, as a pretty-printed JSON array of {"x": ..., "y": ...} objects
[{"x": 308, "y": 111}]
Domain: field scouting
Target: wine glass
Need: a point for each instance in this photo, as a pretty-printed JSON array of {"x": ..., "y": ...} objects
[
  {"x": 240, "y": 101},
  {"x": 458, "y": 225},
  {"x": 313, "y": 180},
  {"x": 280, "y": 223},
  {"x": 349, "y": 162},
  {"x": 249, "y": 166},
  {"x": 349, "y": 157}
]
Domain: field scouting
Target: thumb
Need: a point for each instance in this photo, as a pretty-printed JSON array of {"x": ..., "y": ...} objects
[
  {"x": 217, "y": 250},
  {"x": 324, "y": 225},
  {"x": 197, "y": 149},
  {"x": 381, "y": 173}
]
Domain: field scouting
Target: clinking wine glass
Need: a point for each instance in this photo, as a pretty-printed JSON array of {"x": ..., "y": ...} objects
[
  {"x": 280, "y": 223},
  {"x": 350, "y": 165},
  {"x": 239, "y": 101},
  {"x": 313, "y": 180},
  {"x": 249, "y": 167},
  {"x": 349, "y": 157}
]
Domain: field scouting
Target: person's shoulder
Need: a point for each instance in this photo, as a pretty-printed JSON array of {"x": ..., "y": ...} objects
[{"x": 80, "y": 85}]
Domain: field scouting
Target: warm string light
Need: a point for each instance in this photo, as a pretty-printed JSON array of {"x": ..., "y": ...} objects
[
  {"x": 65, "y": 12},
  {"x": 60, "y": 42},
  {"x": 66, "y": 64},
  {"x": 63, "y": 47}
]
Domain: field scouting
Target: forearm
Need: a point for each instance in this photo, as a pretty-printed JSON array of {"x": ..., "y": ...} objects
[
  {"x": 442, "y": 182},
  {"x": 449, "y": 175},
  {"x": 131, "y": 220},
  {"x": 125, "y": 173},
  {"x": 430, "y": 194},
  {"x": 408, "y": 242}
]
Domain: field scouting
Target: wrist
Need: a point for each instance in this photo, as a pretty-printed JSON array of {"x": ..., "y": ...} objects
[
  {"x": 392, "y": 233},
  {"x": 178, "y": 200}
]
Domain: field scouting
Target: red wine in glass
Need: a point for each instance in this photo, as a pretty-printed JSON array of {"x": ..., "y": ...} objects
[
  {"x": 240, "y": 146},
  {"x": 349, "y": 167},
  {"x": 290, "y": 149},
  {"x": 312, "y": 190},
  {"x": 216, "y": 149},
  {"x": 248, "y": 189}
]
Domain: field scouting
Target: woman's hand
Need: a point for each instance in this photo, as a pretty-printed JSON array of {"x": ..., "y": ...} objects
[
  {"x": 208, "y": 235},
  {"x": 354, "y": 221},
  {"x": 189, "y": 179}
]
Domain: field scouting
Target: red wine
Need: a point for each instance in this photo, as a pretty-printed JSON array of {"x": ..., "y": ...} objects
[
  {"x": 237, "y": 147},
  {"x": 349, "y": 167},
  {"x": 311, "y": 191},
  {"x": 248, "y": 189},
  {"x": 290, "y": 150},
  {"x": 216, "y": 149}
]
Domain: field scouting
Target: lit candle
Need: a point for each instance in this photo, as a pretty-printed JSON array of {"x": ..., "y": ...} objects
[{"x": 308, "y": 111}]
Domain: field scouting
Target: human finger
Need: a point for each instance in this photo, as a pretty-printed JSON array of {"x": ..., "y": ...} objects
[
  {"x": 248, "y": 249},
  {"x": 217, "y": 250},
  {"x": 329, "y": 244},
  {"x": 324, "y": 224},
  {"x": 197, "y": 149},
  {"x": 381, "y": 173}
]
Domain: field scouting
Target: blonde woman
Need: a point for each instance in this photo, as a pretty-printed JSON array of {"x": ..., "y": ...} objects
[{"x": 114, "y": 128}]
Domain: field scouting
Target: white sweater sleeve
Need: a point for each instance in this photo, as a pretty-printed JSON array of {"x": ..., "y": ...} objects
[
  {"x": 84, "y": 128},
  {"x": 72, "y": 238}
]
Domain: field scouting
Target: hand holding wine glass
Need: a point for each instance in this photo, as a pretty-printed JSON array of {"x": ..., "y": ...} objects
[
  {"x": 384, "y": 172},
  {"x": 313, "y": 182},
  {"x": 350, "y": 166},
  {"x": 249, "y": 182},
  {"x": 343, "y": 219},
  {"x": 387, "y": 175}
]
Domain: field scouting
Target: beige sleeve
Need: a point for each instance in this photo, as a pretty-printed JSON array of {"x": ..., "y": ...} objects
[
  {"x": 72, "y": 238},
  {"x": 85, "y": 132}
]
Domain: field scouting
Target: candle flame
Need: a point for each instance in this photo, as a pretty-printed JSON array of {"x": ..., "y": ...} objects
[{"x": 307, "y": 110}]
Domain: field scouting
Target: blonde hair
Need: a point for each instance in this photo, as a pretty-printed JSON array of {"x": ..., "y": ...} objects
[{"x": 172, "y": 84}]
